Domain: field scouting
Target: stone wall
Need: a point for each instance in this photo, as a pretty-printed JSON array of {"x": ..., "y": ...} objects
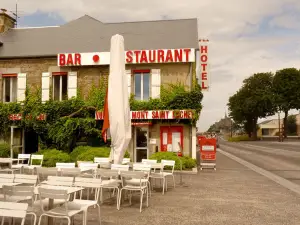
[{"x": 87, "y": 75}]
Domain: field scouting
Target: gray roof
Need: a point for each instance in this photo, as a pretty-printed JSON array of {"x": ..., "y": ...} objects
[
  {"x": 266, "y": 121},
  {"x": 87, "y": 34}
]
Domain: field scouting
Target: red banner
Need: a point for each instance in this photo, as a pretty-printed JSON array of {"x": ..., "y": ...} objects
[{"x": 208, "y": 148}]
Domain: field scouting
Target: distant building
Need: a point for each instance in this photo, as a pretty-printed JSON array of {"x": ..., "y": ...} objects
[{"x": 269, "y": 127}]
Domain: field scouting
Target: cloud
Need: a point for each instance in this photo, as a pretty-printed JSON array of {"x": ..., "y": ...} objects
[{"x": 246, "y": 36}]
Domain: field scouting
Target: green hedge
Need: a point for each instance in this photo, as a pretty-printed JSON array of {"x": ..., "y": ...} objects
[
  {"x": 187, "y": 162},
  {"x": 238, "y": 138},
  {"x": 5, "y": 150},
  {"x": 87, "y": 153},
  {"x": 52, "y": 156},
  {"x": 81, "y": 153}
]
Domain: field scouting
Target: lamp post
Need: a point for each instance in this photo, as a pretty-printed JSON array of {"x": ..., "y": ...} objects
[{"x": 279, "y": 130}]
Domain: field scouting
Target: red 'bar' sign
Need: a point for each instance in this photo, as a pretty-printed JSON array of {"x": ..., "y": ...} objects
[{"x": 156, "y": 114}]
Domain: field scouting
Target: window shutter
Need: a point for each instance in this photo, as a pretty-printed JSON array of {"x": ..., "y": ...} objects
[
  {"x": 72, "y": 84},
  {"x": 45, "y": 86},
  {"x": 155, "y": 83},
  {"x": 128, "y": 74},
  {"x": 21, "y": 87}
]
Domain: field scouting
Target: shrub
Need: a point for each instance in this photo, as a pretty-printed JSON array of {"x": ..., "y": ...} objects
[
  {"x": 77, "y": 151},
  {"x": 87, "y": 153},
  {"x": 187, "y": 162},
  {"x": 93, "y": 152},
  {"x": 238, "y": 138},
  {"x": 52, "y": 156},
  {"x": 5, "y": 150}
]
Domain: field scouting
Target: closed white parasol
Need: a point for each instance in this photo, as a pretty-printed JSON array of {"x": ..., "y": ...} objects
[{"x": 118, "y": 101}]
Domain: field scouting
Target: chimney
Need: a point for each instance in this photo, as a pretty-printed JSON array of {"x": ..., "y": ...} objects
[{"x": 6, "y": 21}]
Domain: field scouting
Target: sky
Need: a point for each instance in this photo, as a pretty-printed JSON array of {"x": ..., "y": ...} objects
[{"x": 246, "y": 36}]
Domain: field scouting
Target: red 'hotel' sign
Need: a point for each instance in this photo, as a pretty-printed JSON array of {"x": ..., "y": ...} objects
[
  {"x": 131, "y": 57},
  {"x": 156, "y": 114}
]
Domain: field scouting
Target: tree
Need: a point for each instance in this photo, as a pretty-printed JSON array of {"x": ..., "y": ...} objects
[
  {"x": 286, "y": 88},
  {"x": 254, "y": 100},
  {"x": 291, "y": 125}
]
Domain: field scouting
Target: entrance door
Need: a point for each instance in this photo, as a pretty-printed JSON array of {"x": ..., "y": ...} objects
[
  {"x": 31, "y": 141},
  {"x": 16, "y": 140},
  {"x": 141, "y": 143},
  {"x": 170, "y": 136}
]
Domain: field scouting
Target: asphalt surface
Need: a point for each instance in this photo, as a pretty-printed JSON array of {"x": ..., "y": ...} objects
[
  {"x": 282, "y": 159},
  {"x": 231, "y": 195}
]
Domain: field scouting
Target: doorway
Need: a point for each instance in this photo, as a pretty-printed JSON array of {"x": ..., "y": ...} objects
[
  {"x": 16, "y": 141},
  {"x": 141, "y": 143},
  {"x": 31, "y": 141}
]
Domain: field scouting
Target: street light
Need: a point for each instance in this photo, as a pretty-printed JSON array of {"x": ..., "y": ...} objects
[{"x": 279, "y": 132}]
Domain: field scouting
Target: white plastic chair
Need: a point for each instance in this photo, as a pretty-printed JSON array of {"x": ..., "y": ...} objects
[
  {"x": 6, "y": 178},
  {"x": 65, "y": 165},
  {"x": 86, "y": 167},
  {"x": 26, "y": 179},
  {"x": 146, "y": 168},
  {"x": 68, "y": 210},
  {"x": 102, "y": 161},
  {"x": 170, "y": 163},
  {"x": 149, "y": 161},
  {"x": 60, "y": 181},
  {"x": 126, "y": 160},
  {"x": 74, "y": 172},
  {"x": 44, "y": 172},
  {"x": 13, "y": 210},
  {"x": 109, "y": 180},
  {"x": 119, "y": 167},
  {"x": 19, "y": 194},
  {"x": 20, "y": 163},
  {"x": 32, "y": 167},
  {"x": 88, "y": 183},
  {"x": 141, "y": 185}
]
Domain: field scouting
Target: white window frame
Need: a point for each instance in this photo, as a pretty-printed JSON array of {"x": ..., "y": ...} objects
[
  {"x": 11, "y": 89},
  {"x": 60, "y": 87},
  {"x": 142, "y": 84}
]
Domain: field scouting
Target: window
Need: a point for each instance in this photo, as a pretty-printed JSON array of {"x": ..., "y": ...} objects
[
  {"x": 10, "y": 88},
  {"x": 142, "y": 84},
  {"x": 60, "y": 86}
]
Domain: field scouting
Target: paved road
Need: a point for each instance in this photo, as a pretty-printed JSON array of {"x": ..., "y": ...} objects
[
  {"x": 293, "y": 146},
  {"x": 231, "y": 195},
  {"x": 282, "y": 159}
]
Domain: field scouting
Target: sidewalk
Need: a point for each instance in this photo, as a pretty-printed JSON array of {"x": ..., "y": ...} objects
[{"x": 232, "y": 195}]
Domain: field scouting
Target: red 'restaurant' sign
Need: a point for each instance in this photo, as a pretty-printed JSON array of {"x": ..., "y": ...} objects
[
  {"x": 155, "y": 114},
  {"x": 131, "y": 57}
]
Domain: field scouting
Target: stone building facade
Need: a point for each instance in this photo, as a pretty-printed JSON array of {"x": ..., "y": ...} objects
[{"x": 30, "y": 57}]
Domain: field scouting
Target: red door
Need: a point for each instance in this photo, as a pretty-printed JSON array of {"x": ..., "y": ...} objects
[{"x": 170, "y": 136}]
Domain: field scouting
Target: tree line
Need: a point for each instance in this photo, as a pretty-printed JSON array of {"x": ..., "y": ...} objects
[{"x": 264, "y": 94}]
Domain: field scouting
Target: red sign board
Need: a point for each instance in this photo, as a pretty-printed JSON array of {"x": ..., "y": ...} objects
[
  {"x": 208, "y": 148},
  {"x": 17, "y": 117},
  {"x": 155, "y": 114}
]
